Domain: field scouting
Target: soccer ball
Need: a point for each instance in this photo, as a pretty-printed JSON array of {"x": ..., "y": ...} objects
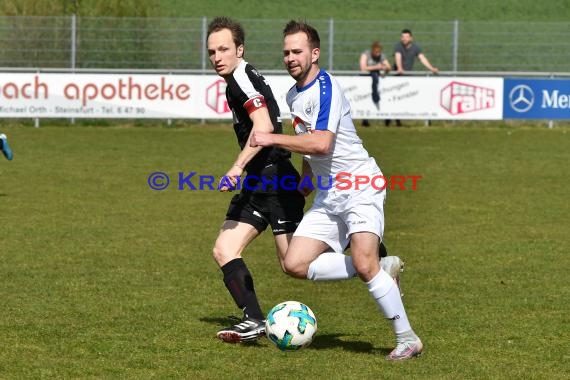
[{"x": 291, "y": 325}]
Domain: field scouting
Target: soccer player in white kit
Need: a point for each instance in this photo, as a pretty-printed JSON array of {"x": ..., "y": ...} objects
[{"x": 350, "y": 210}]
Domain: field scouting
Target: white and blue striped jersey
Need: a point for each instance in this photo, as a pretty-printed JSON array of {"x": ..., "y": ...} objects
[{"x": 322, "y": 105}]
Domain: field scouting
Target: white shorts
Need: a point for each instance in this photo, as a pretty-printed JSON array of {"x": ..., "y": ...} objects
[{"x": 333, "y": 223}]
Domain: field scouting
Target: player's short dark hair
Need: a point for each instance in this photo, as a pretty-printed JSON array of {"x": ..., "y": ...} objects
[
  {"x": 294, "y": 26},
  {"x": 219, "y": 23},
  {"x": 407, "y": 31}
]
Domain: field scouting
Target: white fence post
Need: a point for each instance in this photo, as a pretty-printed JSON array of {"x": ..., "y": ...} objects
[
  {"x": 551, "y": 122},
  {"x": 455, "y": 44},
  {"x": 37, "y": 119},
  {"x": 73, "y": 40},
  {"x": 73, "y": 48},
  {"x": 331, "y": 43},
  {"x": 204, "y": 31}
]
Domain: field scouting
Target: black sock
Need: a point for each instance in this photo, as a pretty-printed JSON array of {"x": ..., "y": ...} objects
[{"x": 240, "y": 285}]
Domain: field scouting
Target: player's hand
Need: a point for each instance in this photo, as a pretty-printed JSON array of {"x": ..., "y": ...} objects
[
  {"x": 260, "y": 139},
  {"x": 230, "y": 180},
  {"x": 306, "y": 190},
  {"x": 306, "y": 184}
]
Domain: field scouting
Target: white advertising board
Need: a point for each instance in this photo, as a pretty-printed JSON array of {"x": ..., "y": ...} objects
[
  {"x": 444, "y": 98},
  {"x": 104, "y": 96},
  {"x": 79, "y": 95}
]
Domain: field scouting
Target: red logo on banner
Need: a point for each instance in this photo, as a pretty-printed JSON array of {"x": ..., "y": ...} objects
[
  {"x": 458, "y": 98},
  {"x": 216, "y": 97}
]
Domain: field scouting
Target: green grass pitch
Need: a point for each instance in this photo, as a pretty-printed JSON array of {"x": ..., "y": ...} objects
[{"x": 102, "y": 277}]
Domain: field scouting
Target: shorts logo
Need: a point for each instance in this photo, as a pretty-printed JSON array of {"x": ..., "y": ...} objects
[{"x": 279, "y": 221}]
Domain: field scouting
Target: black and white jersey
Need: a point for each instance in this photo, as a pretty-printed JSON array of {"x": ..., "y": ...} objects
[{"x": 246, "y": 91}]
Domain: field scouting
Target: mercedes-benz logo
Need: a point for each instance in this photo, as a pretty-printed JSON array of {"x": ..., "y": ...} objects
[{"x": 521, "y": 98}]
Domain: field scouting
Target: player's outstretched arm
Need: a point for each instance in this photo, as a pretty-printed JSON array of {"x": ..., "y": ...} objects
[
  {"x": 317, "y": 142},
  {"x": 261, "y": 123}
]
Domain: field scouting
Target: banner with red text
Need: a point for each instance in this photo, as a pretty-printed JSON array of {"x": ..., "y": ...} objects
[
  {"x": 432, "y": 98},
  {"x": 181, "y": 96}
]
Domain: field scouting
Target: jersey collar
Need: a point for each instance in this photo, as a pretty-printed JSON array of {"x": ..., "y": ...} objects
[{"x": 301, "y": 89}]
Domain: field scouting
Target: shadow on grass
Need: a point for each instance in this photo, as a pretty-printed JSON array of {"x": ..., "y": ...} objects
[
  {"x": 331, "y": 341},
  {"x": 321, "y": 342},
  {"x": 221, "y": 321}
]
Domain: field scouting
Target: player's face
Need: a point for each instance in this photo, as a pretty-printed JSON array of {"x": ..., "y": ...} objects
[
  {"x": 225, "y": 56},
  {"x": 298, "y": 56}
]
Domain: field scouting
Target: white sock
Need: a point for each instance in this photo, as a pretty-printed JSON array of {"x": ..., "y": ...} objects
[
  {"x": 407, "y": 336},
  {"x": 331, "y": 266},
  {"x": 385, "y": 291}
]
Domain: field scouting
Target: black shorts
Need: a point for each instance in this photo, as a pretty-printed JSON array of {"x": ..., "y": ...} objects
[{"x": 283, "y": 211}]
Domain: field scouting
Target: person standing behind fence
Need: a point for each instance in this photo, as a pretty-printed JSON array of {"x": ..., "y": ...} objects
[
  {"x": 375, "y": 62},
  {"x": 405, "y": 53}
]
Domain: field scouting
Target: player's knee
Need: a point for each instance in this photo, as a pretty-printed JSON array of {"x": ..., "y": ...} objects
[
  {"x": 216, "y": 253},
  {"x": 294, "y": 269},
  {"x": 365, "y": 269},
  {"x": 222, "y": 256}
]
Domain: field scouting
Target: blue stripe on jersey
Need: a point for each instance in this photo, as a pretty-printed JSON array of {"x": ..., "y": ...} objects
[{"x": 325, "y": 91}]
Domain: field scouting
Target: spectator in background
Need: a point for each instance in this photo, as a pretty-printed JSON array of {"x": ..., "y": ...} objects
[
  {"x": 405, "y": 53},
  {"x": 375, "y": 62},
  {"x": 5, "y": 147}
]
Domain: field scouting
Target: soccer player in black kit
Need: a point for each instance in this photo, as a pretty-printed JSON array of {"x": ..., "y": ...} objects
[{"x": 259, "y": 204}]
